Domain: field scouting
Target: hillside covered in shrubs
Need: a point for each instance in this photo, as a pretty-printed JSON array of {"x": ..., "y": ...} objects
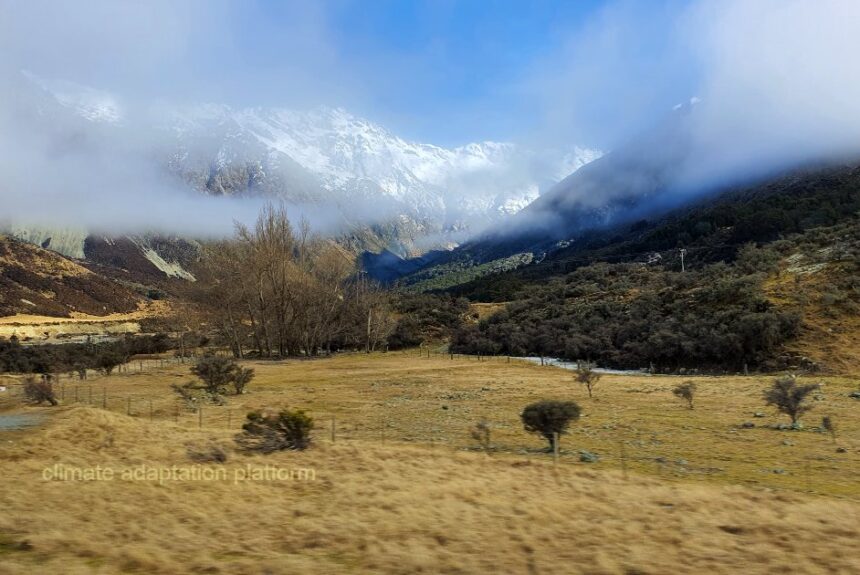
[{"x": 718, "y": 316}]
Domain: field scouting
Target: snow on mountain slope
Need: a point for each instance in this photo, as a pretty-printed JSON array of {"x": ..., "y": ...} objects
[
  {"x": 328, "y": 156},
  {"x": 475, "y": 179},
  {"x": 89, "y": 103}
]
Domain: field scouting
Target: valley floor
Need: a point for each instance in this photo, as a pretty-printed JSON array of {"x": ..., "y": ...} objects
[{"x": 403, "y": 488}]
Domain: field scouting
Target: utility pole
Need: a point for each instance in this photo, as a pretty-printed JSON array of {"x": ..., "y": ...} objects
[
  {"x": 369, "y": 317},
  {"x": 683, "y": 253}
]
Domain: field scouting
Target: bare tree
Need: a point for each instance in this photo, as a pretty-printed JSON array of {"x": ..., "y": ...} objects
[
  {"x": 291, "y": 292},
  {"x": 586, "y": 375}
]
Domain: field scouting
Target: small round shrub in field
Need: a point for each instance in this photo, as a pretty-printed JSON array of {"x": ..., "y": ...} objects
[{"x": 548, "y": 417}]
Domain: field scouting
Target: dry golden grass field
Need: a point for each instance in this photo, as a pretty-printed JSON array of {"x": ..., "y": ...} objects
[{"x": 404, "y": 489}]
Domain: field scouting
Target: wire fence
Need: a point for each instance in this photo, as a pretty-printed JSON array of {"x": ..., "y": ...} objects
[{"x": 814, "y": 472}]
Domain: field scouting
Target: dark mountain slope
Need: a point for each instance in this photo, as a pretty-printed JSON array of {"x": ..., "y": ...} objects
[
  {"x": 710, "y": 229},
  {"x": 40, "y": 282}
]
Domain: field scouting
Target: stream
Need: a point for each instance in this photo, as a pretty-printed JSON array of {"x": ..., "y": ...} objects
[{"x": 571, "y": 365}]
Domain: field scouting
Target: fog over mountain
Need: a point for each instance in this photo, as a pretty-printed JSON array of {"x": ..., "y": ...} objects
[
  {"x": 338, "y": 170},
  {"x": 102, "y": 125}
]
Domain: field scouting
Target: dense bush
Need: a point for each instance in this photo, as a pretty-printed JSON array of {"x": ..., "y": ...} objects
[
  {"x": 548, "y": 418},
  {"x": 218, "y": 373},
  {"x": 631, "y": 316},
  {"x": 76, "y": 357},
  {"x": 425, "y": 317},
  {"x": 266, "y": 433}
]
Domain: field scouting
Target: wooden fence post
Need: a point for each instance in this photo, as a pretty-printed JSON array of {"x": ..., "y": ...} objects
[
  {"x": 555, "y": 447},
  {"x": 128, "y": 406},
  {"x": 200, "y": 417},
  {"x": 104, "y": 398}
]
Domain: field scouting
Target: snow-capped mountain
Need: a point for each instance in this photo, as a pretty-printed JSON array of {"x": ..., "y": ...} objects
[
  {"x": 328, "y": 156},
  {"x": 351, "y": 156}
]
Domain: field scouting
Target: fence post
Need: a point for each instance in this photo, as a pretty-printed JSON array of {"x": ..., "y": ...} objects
[
  {"x": 104, "y": 398},
  {"x": 200, "y": 417},
  {"x": 128, "y": 407},
  {"x": 555, "y": 447}
]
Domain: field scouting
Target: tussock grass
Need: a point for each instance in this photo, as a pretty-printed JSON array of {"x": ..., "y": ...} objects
[
  {"x": 402, "y": 491},
  {"x": 388, "y": 509},
  {"x": 401, "y": 397}
]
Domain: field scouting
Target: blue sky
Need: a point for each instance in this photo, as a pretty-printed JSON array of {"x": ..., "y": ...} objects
[
  {"x": 442, "y": 71},
  {"x": 565, "y": 72},
  {"x": 450, "y": 72}
]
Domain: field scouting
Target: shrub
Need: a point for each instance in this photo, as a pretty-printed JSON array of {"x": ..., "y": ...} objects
[
  {"x": 828, "y": 426},
  {"x": 549, "y": 417},
  {"x": 686, "y": 391},
  {"x": 481, "y": 434},
  {"x": 586, "y": 375},
  {"x": 209, "y": 452},
  {"x": 289, "y": 429},
  {"x": 789, "y": 397},
  {"x": 109, "y": 359},
  {"x": 242, "y": 378},
  {"x": 219, "y": 372},
  {"x": 39, "y": 390}
]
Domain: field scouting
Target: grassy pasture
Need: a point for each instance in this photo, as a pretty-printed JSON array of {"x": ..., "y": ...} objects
[
  {"x": 408, "y": 398},
  {"x": 404, "y": 490}
]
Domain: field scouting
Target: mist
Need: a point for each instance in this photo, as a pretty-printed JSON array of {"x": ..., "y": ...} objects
[
  {"x": 773, "y": 82},
  {"x": 769, "y": 84},
  {"x": 58, "y": 169}
]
